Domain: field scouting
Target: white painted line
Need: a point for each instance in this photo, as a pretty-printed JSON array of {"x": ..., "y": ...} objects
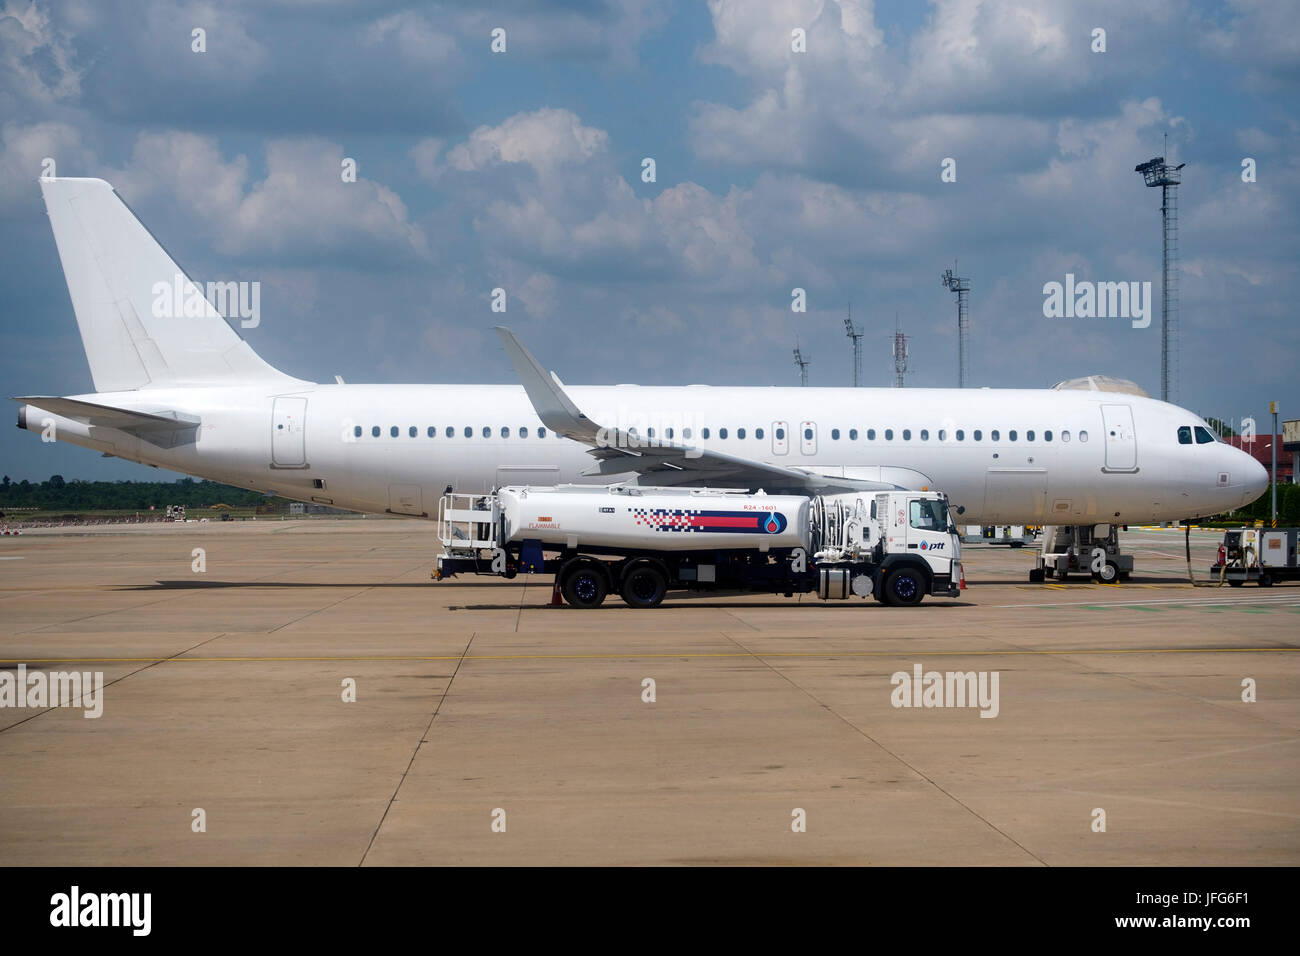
[
  {"x": 1284, "y": 601},
  {"x": 20, "y": 558}
]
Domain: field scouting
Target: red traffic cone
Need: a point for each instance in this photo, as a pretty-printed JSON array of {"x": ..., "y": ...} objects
[
  {"x": 557, "y": 599},
  {"x": 962, "y": 570}
]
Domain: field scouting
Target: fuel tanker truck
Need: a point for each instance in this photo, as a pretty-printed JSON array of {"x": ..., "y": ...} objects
[{"x": 642, "y": 542}]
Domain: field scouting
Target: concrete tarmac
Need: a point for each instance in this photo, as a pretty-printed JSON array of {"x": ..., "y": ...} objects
[{"x": 479, "y": 707}]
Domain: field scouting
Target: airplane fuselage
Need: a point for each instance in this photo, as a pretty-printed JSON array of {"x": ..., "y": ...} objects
[{"x": 1002, "y": 456}]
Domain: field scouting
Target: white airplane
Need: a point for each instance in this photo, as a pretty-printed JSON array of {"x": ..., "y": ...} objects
[{"x": 186, "y": 393}]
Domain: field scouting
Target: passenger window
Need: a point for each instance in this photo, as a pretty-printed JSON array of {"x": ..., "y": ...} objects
[
  {"x": 1083, "y": 436},
  {"x": 450, "y": 432},
  {"x": 943, "y": 434},
  {"x": 807, "y": 434},
  {"x": 704, "y": 432},
  {"x": 541, "y": 433},
  {"x": 835, "y": 434},
  {"x": 1065, "y": 436},
  {"x": 523, "y": 431},
  {"x": 961, "y": 434},
  {"x": 650, "y": 432},
  {"x": 1185, "y": 434},
  {"x": 432, "y": 431},
  {"x": 979, "y": 435},
  {"x": 740, "y": 433},
  {"x": 686, "y": 434},
  {"x": 722, "y": 433},
  {"x": 356, "y": 431},
  {"x": 670, "y": 434},
  {"x": 487, "y": 431},
  {"x": 1029, "y": 435},
  {"x": 412, "y": 432},
  {"x": 780, "y": 434},
  {"x": 1203, "y": 436},
  {"x": 758, "y": 433},
  {"x": 853, "y": 434},
  {"x": 993, "y": 435},
  {"x": 469, "y": 432},
  {"x": 889, "y": 434},
  {"x": 1012, "y": 434},
  {"x": 393, "y": 431},
  {"x": 871, "y": 434},
  {"x": 374, "y": 432},
  {"x": 907, "y": 434},
  {"x": 925, "y": 434},
  {"x": 1047, "y": 436},
  {"x": 505, "y": 431}
]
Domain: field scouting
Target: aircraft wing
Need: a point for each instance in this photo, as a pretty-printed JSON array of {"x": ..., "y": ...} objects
[
  {"x": 165, "y": 428},
  {"x": 667, "y": 463}
]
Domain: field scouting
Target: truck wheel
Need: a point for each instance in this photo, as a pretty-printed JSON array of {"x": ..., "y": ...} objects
[
  {"x": 644, "y": 586},
  {"x": 1234, "y": 584},
  {"x": 905, "y": 587},
  {"x": 1108, "y": 573},
  {"x": 584, "y": 585},
  {"x": 1265, "y": 580}
]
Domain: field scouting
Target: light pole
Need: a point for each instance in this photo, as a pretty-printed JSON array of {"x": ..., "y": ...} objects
[{"x": 1272, "y": 407}]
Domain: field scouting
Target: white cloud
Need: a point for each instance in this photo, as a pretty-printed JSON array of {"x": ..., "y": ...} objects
[
  {"x": 302, "y": 204},
  {"x": 23, "y": 151},
  {"x": 544, "y": 139}
]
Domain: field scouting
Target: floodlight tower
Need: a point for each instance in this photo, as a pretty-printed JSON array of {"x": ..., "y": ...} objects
[
  {"x": 1156, "y": 172},
  {"x": 855, "y": 333},
  {"x": 802, "y": 362},
  {"x": 961, "y": 286},
  {"x": 900, "y": 354}
]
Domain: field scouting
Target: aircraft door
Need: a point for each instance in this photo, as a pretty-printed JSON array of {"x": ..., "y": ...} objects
[
  {"x": 780, "y": 438},
  {"x": 288, "y": 433},
  {"x": 1121, "y": 439},
  {"x": 808, "y": 438},
  {"x": 406, "y": 500}
]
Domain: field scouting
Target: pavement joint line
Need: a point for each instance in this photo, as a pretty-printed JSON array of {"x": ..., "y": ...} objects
[
  {"x": 415, "y": 752},
  {"x": 1187, "y": 758},
  {"x": 917, "y": 771},
  {"x": 621, "y": 656}
]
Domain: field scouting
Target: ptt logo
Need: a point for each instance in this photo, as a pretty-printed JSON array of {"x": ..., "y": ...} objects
[{"x": 935, "y": 546}]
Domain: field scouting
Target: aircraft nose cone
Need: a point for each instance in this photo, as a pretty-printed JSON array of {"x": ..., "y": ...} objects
[{"x": 1256, "y": 480}]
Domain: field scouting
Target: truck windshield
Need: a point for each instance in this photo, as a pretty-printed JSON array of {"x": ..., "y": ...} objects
[{"x": 929, "y": 515}]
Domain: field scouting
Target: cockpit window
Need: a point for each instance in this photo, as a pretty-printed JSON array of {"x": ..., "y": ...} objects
[
  {"x": 1204, "y": 436},
  {"x": 1185, "y": 434}
]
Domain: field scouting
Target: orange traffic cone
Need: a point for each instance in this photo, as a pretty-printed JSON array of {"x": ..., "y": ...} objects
[
  {"x": 557, "y": 599},
  {"x": 962, "y": 585}
]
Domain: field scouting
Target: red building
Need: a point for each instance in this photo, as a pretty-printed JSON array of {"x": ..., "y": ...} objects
[{"x": 1261, "y": 449}]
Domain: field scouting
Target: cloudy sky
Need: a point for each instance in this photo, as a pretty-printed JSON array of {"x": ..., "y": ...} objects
[{"x": 774, "y": 170}]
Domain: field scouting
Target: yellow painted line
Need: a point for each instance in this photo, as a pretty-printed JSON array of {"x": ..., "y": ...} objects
[{"x": 686, "y": 655}]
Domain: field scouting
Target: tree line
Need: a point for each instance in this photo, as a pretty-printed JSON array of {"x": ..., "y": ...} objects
[{"x": 77, "y": 495}]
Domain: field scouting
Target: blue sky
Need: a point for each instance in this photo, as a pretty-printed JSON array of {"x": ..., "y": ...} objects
[{"x": 775, "y": 170}]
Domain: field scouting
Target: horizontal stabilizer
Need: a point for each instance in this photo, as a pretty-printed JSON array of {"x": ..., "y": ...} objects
[{"x": 165, "y": 428}]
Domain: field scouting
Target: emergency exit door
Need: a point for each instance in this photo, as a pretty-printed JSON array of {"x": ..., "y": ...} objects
[
  {"x": 288, "y": 433},
  {"x": 808, "y": 438},
  {"x": 1121, "y": 439},
  {"x": 780, "y": 438}
]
